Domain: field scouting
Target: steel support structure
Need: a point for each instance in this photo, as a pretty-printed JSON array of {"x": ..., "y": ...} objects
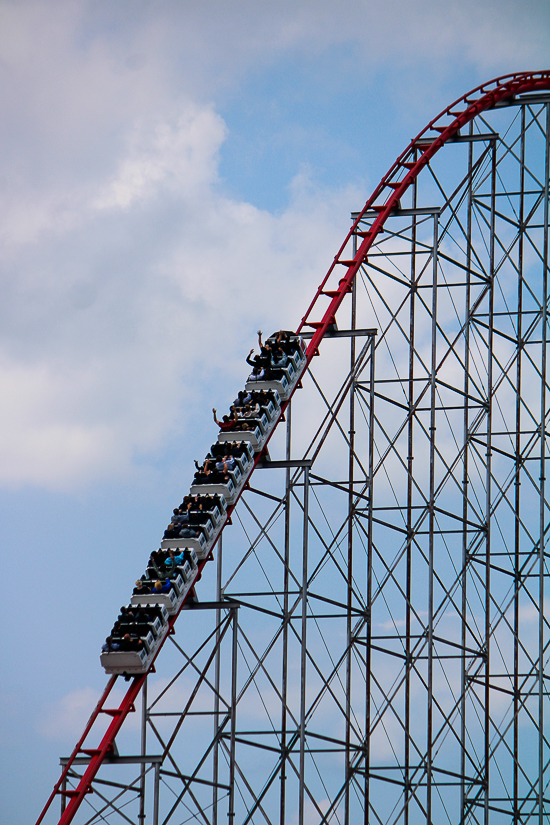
[{"x": 374, "y": 639}]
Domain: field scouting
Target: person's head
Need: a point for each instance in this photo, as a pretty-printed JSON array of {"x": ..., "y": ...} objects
[
  {"x": 139, "y": 584},
  {"x": 158, "y": 585}
]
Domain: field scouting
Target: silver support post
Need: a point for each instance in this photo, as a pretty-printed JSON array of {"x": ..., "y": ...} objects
[
  {"x": 63, "y": 794},
  {"x": 286, "y": 579},
  {"x": 143, "y": 769},
  {"x": 543, "y": 505},
  {"x": 303, "y": 664},
  {"x": 517, "y": 481},
  {"x": 370, "y": 547},
  {"x": 216, "y": 748},
  {"x": 349, "y": 572},
  {"x": 410, "y": 494},
  {"x": 156, "y": 794},
  {"x": 432, "y": 527},
  {"x": 231, "y": 811},
  {"x": 465, "y": 488},
  {"x": 488, "y": 486}
]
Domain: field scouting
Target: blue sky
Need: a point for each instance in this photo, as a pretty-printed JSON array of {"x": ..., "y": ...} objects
[{"x": 168, "y": 170}]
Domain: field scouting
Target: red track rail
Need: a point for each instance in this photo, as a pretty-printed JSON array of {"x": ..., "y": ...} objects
[
  {"x": 404, "y": 171},
  {"x": 384, "y": 200}
]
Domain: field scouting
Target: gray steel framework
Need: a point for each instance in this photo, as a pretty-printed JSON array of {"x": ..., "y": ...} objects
[{"x": 375, "y": 640}]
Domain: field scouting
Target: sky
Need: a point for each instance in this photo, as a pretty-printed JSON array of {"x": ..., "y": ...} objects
[{"x": 169, "y": 170}]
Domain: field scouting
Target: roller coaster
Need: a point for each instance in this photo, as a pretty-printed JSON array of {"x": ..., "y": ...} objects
[
  {"x": 400, "y": 667},
  {"x": 213, "y": 495}
]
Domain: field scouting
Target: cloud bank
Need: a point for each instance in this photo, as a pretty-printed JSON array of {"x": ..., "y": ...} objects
[{"x": 123, "y": 254}]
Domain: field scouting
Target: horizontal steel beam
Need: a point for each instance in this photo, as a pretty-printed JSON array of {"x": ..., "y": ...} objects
[
  {"x": 228, "y": 605},
  {"x": 402, "y": 213},
  {"x": 155, "y": 759},
  {"x": 342, "y": 333},
  {"x": 427, "y": 141},
  {"x": 520, "y": 100},
  {"x": 267, "y": 464}
]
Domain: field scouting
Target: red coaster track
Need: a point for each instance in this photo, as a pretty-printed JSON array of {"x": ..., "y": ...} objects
[{"x": 384, "y": 200}]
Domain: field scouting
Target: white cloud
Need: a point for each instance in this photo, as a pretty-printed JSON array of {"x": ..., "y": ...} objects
[
  {"x": 106, "y": 313},
  {"x": 180, "y": 157},
  {"x": 122, "y": 258},
  {"x": 66, "y": 718}
]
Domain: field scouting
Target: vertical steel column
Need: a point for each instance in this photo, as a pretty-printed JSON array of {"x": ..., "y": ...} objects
[
  {"x": 517, "y": 480},
  {"x": 544, "y": 340},
  {"x": 349, "y": 617},
  {"x": 63, "y": 794},
  {"x": 431, "y": 527},
  {"x": 156, "y": 794},
  {"x": 284, "y": 674},
  {"x": 410, "y": 458},
  {"x": 303, "y": 663},
  {"x": 234, "y": 651},
  {"x": 488, "y": 488},
  {"x": 465, "y": 480},
  {"x": 141, "y": 816},
  {"x": 368, "y": 640},
  {"x": 216, "y": 748}
]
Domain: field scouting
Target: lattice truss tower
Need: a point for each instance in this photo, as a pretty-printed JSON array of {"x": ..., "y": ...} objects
[{"x": 371, "y": 640}]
